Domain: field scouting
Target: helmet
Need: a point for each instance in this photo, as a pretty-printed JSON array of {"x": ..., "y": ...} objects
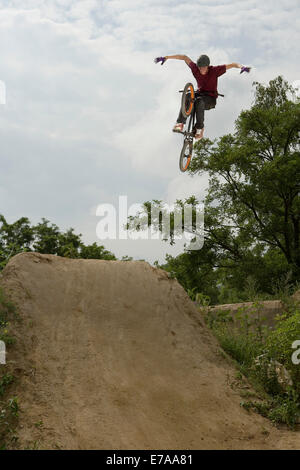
[{"x": 203, "y": 61}]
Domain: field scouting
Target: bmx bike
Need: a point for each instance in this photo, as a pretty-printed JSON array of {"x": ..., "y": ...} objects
[{"x": 188, "y": 100}]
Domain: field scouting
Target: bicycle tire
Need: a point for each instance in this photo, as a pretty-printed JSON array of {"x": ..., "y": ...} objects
[
  {"x": 186, "y": 155},
  {"x": 187, "y": 107}
]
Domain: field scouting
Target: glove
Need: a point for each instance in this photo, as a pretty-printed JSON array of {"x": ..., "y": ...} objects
[
  {"x": 245, "y": 69},
  {"x": 160, "y": 59}
]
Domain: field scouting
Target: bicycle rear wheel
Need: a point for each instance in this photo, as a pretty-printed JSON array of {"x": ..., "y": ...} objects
[
  {"x": 186, "y": 155},
  {"x": 187, "y": 100}
]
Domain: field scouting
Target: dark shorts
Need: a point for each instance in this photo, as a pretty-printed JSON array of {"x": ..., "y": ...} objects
[{"x": 205, "y": 103}]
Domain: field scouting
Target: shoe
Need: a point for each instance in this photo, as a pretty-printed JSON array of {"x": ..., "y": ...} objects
[
  {"x": 178, "y": 127},
  {"x": 199, "y": 133}
]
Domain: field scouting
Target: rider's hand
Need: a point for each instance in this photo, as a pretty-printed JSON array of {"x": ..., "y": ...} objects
[
  {"x": 245, "y": 69},
  {"x": 160, "y": 59}
]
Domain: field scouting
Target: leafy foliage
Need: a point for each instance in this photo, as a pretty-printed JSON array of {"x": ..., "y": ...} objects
[
  {"x": 252, "y": 207},
  {"x": 7, "y": 313},
  {"x": 8, "y": 406},
  {"x": 280, "y": 341},
  {"x": 262, "y": 355},
  {"x": 46, "y": 238}
]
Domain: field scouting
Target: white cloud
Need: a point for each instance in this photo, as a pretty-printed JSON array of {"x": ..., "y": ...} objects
[{"x": 89, "y": 115}]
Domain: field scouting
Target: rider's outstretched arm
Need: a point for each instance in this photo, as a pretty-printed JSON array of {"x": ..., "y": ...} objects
[
  {"x": 179, "y": 57},
  {"x": 234, "y": 65}
]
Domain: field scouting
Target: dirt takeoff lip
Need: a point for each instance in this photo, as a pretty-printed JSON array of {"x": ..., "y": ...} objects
[{"x": 114, "y": 355}]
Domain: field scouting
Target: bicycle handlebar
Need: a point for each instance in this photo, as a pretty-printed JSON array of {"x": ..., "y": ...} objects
[{"x": 203, "y": 94}]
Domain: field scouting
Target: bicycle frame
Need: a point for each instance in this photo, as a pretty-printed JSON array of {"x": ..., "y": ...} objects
[
  {"x": 189, "y": 112},
  {"x": 188, "y": 99}
]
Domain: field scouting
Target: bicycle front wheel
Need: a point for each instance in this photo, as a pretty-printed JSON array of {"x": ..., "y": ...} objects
[
  {"x": 187, "y": 100},
  {"x": 186, "y": 155}
]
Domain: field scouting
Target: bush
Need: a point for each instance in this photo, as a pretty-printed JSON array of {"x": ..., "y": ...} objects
[
  {"x": 282, "y": 409},
  {"x": 279, "y": 344},
  {"x": 7, "y": 312},
  {"x": 9, "y": 407},
  {"x": 259, "y": 353},
  {"x": 237, "y": 335}
]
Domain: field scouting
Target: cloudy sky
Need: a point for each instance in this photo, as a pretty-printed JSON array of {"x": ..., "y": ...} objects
[{"x": 88, "y": 115}]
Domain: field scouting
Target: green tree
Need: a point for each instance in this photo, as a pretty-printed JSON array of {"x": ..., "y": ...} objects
[
  {"x": 45, "y": 238},
  {"x": 252, "y": 207},
  {"x": 253, "y": 202},
  {"x": 194, "y": 272},
  {"x": 95, "y": 251},
  {"x": 14, "y": 238}
]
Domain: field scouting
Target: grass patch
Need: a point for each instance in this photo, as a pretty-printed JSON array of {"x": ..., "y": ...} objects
[
  {"x": 9, "y": 405},
  {"x": 266, "y": 357}
]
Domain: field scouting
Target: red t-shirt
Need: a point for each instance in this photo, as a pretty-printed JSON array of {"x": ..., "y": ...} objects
[{"x": 208, "y": 82}]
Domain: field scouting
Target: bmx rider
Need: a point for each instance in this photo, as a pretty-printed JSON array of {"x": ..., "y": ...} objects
[{"x": 207, "y": 81}]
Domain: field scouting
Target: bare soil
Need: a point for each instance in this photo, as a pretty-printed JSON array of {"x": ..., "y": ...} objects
[{"x": 114, "y": 355}]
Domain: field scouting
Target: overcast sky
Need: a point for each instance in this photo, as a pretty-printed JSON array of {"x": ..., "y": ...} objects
[{"x": 88, "y": 115}]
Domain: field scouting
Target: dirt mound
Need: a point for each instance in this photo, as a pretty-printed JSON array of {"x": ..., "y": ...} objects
[{"x": 113, "y": 355}]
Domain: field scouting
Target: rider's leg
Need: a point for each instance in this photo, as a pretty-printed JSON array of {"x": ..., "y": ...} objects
[
  {"x": 204, "y": 103},
  {"x": 181, "y": 119}
]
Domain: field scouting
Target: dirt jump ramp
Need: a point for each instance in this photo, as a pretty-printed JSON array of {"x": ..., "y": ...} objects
[{"x": 114, "y": 355}]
